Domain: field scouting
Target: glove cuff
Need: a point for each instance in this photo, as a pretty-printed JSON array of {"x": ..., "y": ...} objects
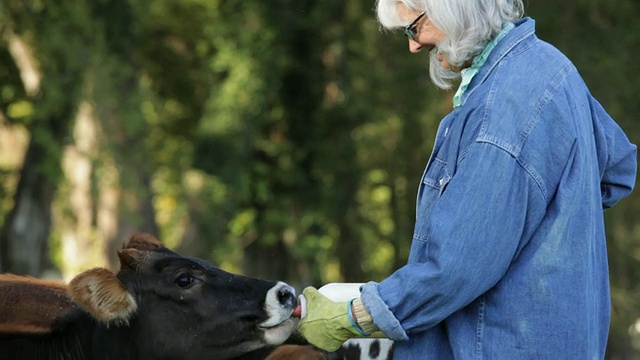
[{"x": 362, "y": 317}]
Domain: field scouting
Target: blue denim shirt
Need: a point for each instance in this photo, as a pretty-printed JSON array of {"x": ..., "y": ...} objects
[{"x": 508, "y": 258}]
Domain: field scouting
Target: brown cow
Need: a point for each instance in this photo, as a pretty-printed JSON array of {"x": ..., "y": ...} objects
[{"x": 160, "y": 305}]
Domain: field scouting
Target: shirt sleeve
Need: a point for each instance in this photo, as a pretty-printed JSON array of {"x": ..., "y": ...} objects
[
  {"x": 617, "y": 157},
  {"x": 474, "y": 233}
]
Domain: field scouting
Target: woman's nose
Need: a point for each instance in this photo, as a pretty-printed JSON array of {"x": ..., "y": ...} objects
[{"x": 414, "y": 46}]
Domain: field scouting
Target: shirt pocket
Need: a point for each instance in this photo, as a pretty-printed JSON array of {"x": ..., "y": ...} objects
[
  {"x": 434, "y": 183},
  {"x": 437, "y": 176}
]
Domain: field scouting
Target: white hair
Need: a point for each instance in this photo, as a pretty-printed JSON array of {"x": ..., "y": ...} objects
[{"x": 468, "y": 26}]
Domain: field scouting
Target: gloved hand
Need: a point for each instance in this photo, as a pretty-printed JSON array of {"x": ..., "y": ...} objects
[{"x": 327, "y": 324}]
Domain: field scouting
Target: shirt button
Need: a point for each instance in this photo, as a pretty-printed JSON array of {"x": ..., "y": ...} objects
[{"x": 441, "y": 181}]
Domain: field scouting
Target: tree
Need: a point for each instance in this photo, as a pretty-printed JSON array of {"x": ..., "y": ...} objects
[{"x": 41, "y": 32}]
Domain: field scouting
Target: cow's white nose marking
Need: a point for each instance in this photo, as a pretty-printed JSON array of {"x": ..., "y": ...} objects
[{"x": 279, "y": 304}]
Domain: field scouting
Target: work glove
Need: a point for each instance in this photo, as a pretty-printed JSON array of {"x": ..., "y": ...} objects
[{"x": 328, "y": 324}]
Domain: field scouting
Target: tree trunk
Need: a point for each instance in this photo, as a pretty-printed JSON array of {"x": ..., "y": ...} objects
[
  {"x": 124, "y": 124},
  {"x": 25, "y": 232},
  {"x": 23, "y": 239}
]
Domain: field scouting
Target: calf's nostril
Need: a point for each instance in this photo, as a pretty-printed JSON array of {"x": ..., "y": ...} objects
[{"x": 286, "y": 297}]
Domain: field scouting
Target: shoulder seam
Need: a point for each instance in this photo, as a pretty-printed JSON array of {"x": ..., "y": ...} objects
[{"x": 528, "y": 169}]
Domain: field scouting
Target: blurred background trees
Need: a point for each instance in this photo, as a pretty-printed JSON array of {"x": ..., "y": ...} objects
[{"x": 281, "y": 139}]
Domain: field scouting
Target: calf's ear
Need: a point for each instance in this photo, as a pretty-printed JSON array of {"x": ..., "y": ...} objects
[
  {"x": 143, "y": 242},
  {"x": 139, "y": 251},
  {"x": 99, "y": 292}
]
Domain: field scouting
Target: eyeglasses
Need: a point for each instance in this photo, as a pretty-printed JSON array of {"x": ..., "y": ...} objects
[{"x": 410, "y": 30}]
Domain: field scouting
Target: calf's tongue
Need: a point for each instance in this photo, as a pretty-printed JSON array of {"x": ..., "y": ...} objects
[{"x": 297, "y": 312}]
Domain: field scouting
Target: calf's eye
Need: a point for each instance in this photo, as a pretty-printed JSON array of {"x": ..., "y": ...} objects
[{"x": 184, "y": 281}]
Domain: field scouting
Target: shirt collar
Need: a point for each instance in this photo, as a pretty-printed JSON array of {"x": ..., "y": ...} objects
[{"x": 477, "y": 62}]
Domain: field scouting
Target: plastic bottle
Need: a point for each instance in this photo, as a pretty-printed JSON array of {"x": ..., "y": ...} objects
[{"x": 334, "y": 291}]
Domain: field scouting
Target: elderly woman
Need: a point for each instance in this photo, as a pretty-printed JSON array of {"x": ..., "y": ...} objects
[{"x": 508, "y": 258}]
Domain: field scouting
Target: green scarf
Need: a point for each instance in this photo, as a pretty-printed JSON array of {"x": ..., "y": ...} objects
[{"x": 476, "y": 64}]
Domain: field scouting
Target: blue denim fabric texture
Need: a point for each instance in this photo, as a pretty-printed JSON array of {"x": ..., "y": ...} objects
[{"x": 508, "y": 258}]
